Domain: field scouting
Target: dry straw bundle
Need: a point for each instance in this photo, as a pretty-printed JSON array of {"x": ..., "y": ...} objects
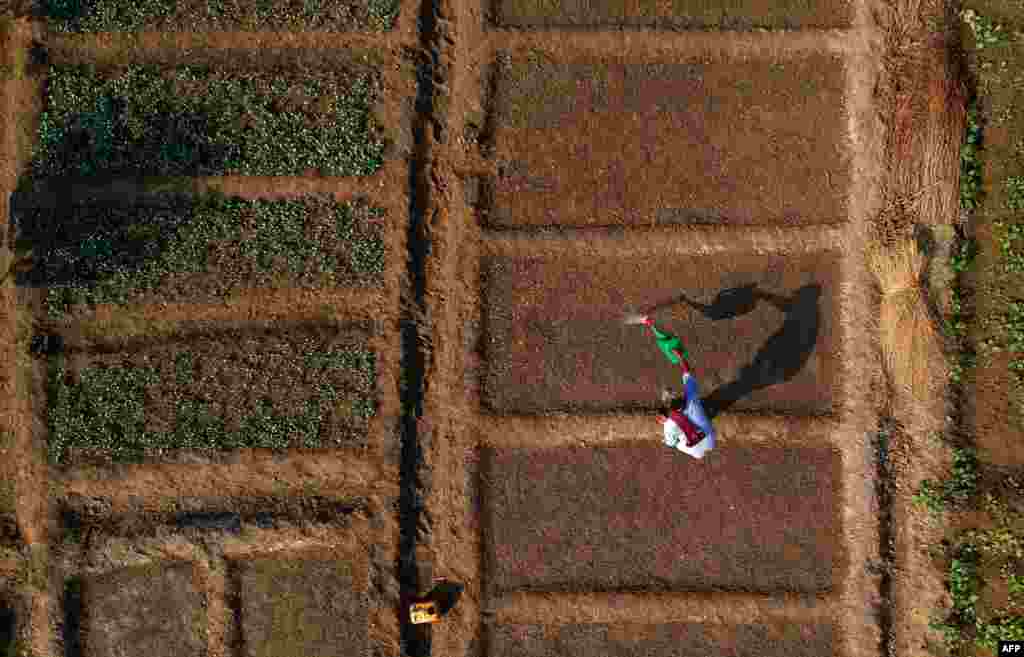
[{"x": 912, "y": 345}]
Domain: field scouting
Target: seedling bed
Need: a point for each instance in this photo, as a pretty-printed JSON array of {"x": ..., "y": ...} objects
[
  {"x": 309, "y": 387},
  {"x": 201, "y": 120}
]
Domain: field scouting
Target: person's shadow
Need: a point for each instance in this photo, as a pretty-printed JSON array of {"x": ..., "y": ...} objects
[{"x": 782, "y": 356}]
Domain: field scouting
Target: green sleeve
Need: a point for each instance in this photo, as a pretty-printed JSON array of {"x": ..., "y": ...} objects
[{"x": 667, "y": 343}]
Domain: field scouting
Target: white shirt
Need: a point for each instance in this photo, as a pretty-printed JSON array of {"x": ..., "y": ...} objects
[{"x": 694, "y": 411}]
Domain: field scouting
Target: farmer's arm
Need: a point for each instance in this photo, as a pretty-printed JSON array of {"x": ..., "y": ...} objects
[{"x": 683, "y": 363}]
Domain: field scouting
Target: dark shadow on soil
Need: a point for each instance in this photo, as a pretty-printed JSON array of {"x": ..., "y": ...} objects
[
  {"x": 415, "y": 639},
  {"x": 236, "y": 638},
  {"x": 85, "y": 243},
  {"x": 9, "y": 532},
  {"x": 73, "y": 618},
  {"x": 782, "y": 356},
  {"x": 886, "y": 538},
  {"x": 445, "y": 594},
  {"x": 8, "y": 627},
  {"x": 98, "y": 142},
  {"x": 217, "y": 521}
]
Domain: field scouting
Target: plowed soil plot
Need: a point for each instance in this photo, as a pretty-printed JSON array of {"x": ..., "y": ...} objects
[
  {"x": 649, "y": 517},
  {"x": 759, "y": 330},
  {"x": 740, "y": 142},
  {"x": 675, "y": 640},
  {"x": 743, "y": 14},
  {"x": 305, "y": 388},
  {"x": 308, "y": 607},
  {"x": 151, "y": 610}
]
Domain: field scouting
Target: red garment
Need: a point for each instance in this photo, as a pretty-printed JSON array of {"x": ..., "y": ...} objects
[{"x": 693, "y": 433}]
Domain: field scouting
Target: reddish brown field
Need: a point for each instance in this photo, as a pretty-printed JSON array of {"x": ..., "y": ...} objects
[
  {"x": 755, "y": 519},
  {"x": 678, "y": 639},
  {"x": 760, "y": 332},
  {"x": 600, "y": 143},
  {"x": 788, "y": 14}
]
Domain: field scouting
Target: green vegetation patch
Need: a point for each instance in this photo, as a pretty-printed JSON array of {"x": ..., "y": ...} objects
[
  {"x": 306, "y": 388},
  {"x": 302, "y": 608},
  {"x": 536, "y": 91},
  {"x": 173, "y": 249},
  {"x": 202, "y": 121},
  {"x": 154, "y": 610},
  {"x": 679, "y": 14},
  {"x": 986, "y": 581},
  {"x": 79, "y": 16},
  {"x": 956, "y": 491}
]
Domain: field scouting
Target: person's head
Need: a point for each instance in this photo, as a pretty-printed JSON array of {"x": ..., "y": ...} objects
[{"x": 670, "y": 402}]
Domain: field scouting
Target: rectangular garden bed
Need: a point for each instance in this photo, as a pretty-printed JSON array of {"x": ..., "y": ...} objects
[
  {"x": 308, "y": 387},
  {"x": 760, "y": 331},
  {"x": 219, "y": 15},
  {"x": 583, "y": 519},
  {"x": 701, "y": 141},
  {"x": 675, "y": 640},
  {"x": 174, "y": 248},
  {"x": 304, "y": 605},
  {"x": 156, "y": 610}
]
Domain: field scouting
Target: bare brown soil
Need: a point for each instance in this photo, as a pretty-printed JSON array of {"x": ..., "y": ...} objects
[
  {"x": 151, "y": 610},
  {"x": 303, "y": 606},
  {"x": 759, "y": 329},
  {"x": 755, "y": 519},
  {"x": 682, "y": 639},
  {"x": 704, "y": 141},
  {"x": 677, "y": 14}
]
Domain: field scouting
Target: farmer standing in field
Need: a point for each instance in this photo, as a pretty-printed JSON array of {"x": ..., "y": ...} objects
[{"x": 687, "y": 427}]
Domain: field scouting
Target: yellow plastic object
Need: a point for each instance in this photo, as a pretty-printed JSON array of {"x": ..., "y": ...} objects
[{"x": 424, "y": 612}]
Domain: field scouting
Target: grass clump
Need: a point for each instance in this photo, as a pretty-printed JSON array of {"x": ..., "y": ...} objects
[
  {"x": 198, "y": 120},
  {"x": 241, "y": 392},
  {"x": 206, "y": 249},
  {"x": 957, "y": 490}
]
